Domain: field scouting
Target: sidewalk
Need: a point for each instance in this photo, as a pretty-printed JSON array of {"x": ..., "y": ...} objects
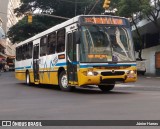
[{"x": 150, "y": 75}]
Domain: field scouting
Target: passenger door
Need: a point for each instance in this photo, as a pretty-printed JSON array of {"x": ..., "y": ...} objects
[
  {"x": 71, "y": 58},
  {"x": 36, "y": 62}
]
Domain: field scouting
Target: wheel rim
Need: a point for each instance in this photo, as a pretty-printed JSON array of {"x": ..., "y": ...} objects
[
  {"x": 27, "y": 79},
  {"x": 64, "y": 81}
]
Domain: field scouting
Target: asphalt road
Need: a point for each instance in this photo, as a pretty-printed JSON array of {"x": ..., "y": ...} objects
[{"x": 134, "y": 101}]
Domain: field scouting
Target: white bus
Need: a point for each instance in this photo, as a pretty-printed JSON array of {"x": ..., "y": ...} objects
[{"x": 85, "y": 50}]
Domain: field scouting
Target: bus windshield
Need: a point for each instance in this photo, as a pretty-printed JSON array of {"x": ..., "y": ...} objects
[{"x": 101, "y": 43}]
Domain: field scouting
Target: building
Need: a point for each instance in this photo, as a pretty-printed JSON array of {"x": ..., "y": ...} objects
[
  {"x": 2, "y": 43},
  {"x": 8, "y": 19},
  {"x": 151, "y": 44}
]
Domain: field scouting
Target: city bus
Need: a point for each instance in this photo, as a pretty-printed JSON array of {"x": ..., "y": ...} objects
[{"x": 86, "y": 50}]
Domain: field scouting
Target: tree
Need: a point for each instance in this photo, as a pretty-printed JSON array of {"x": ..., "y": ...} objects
[
  {"x": 151, "y": 10},
  {"x": 22, "y": 30},
  {"x": 65, "y": 8},
  {"x": 128, "y": 8},
  {"x": 144, "y": 9}
]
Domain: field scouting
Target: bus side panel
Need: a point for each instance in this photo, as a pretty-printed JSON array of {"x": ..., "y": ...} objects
[
  {"x": 20, "y": 75},
  {"x": 44, "y": 76},
  {"x": 54, "y": 78},
  {"x": 49, "y": 77},
  {"x": 31, "y": 76}
]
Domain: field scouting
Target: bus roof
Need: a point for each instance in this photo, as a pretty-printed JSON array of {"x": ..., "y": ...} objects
[{"x": 66, "y": 23}]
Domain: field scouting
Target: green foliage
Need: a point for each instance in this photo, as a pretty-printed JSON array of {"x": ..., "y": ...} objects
[
  {"x": 22, "y": 30},
  {"x": 65, "y": 8},
  {"x": 151, "y": 11},
  {"x": 114, "y": 3},
  {"x": 145, "y": 6},
  {"x": 127, "y": 8}
]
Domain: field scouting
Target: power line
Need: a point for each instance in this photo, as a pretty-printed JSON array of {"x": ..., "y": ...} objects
[
  {"x": 94, "y": 6},
  {"x": 75, "y": 2}
]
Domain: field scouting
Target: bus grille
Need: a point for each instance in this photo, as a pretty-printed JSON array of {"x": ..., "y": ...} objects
[{"x": 112, "y": 73}]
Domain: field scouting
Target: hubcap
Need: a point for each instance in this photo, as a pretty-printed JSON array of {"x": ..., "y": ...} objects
[
  {"x": 64, "y": 81},
  {"x": 27, "y": 79}
]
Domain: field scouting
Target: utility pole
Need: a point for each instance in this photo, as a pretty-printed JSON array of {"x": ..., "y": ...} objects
[{"x": 55, "y": 16}]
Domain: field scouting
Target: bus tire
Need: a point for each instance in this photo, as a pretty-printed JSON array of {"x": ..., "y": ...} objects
[
  {"x": 63, "y": 82},
  {"x": 28, "y": 79},
  {"x": 106, "y": 88}
]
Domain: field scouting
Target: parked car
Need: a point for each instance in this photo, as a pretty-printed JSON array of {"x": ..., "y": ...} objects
[
  {"x": 141, "y": 66},
  {"x": 11, "y": 62}
]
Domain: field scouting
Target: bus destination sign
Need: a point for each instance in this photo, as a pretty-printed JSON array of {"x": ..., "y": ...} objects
[{"x": 104, "y": 20}]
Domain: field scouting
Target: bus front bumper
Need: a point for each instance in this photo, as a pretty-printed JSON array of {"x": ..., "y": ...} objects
[{"x": 99, "y": 79}]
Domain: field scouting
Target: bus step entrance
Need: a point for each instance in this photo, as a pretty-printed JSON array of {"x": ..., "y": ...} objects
[{"x": 36, "y": 82}]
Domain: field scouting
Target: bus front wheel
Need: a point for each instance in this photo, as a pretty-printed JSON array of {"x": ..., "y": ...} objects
[
  {"x": 106, "y": 88},
  {"x": 63, "y": 82}
]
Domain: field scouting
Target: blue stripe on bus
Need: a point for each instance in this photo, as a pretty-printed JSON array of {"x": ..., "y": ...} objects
[
  {"x": 109, "y": 65},
  {"x": 28, "y": 67},
  {"x": 81, "y": 66},
  {"x": 19, "y": 68},
  {"x": 61, "y": 64}
]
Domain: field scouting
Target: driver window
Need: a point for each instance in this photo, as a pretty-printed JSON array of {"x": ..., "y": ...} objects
[{"x": 61, "y": 41}]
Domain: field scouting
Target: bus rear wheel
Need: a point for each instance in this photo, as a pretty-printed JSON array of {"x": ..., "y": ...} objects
[
  {"x": 28, "y": 79},
  {"x": 106, "y": 88},
  {"x": 63, "y": 82}
]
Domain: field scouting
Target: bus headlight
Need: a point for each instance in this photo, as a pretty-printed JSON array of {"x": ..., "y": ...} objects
[
  {"x": 90, "y": 73},
  {"x": 130, "y": 72}
]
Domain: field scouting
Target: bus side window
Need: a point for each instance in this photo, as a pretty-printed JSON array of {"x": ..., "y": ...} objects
[
  {"x": 43, "y": 45},
  {"x": 30, "y": 47},
  {"x": 61, "y": 41},
  {"x": 70, "y": 46},
  {"x": 74, "y": 47},
  {"x": 25, "y": 51},
  {"x": 20, "y": 53},
  {"x": 51, "y": 46},
  {"x": 17, "y": 54}
]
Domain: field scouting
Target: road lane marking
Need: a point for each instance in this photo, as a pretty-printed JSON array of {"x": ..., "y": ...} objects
[{"x": 124, "y": 85}]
